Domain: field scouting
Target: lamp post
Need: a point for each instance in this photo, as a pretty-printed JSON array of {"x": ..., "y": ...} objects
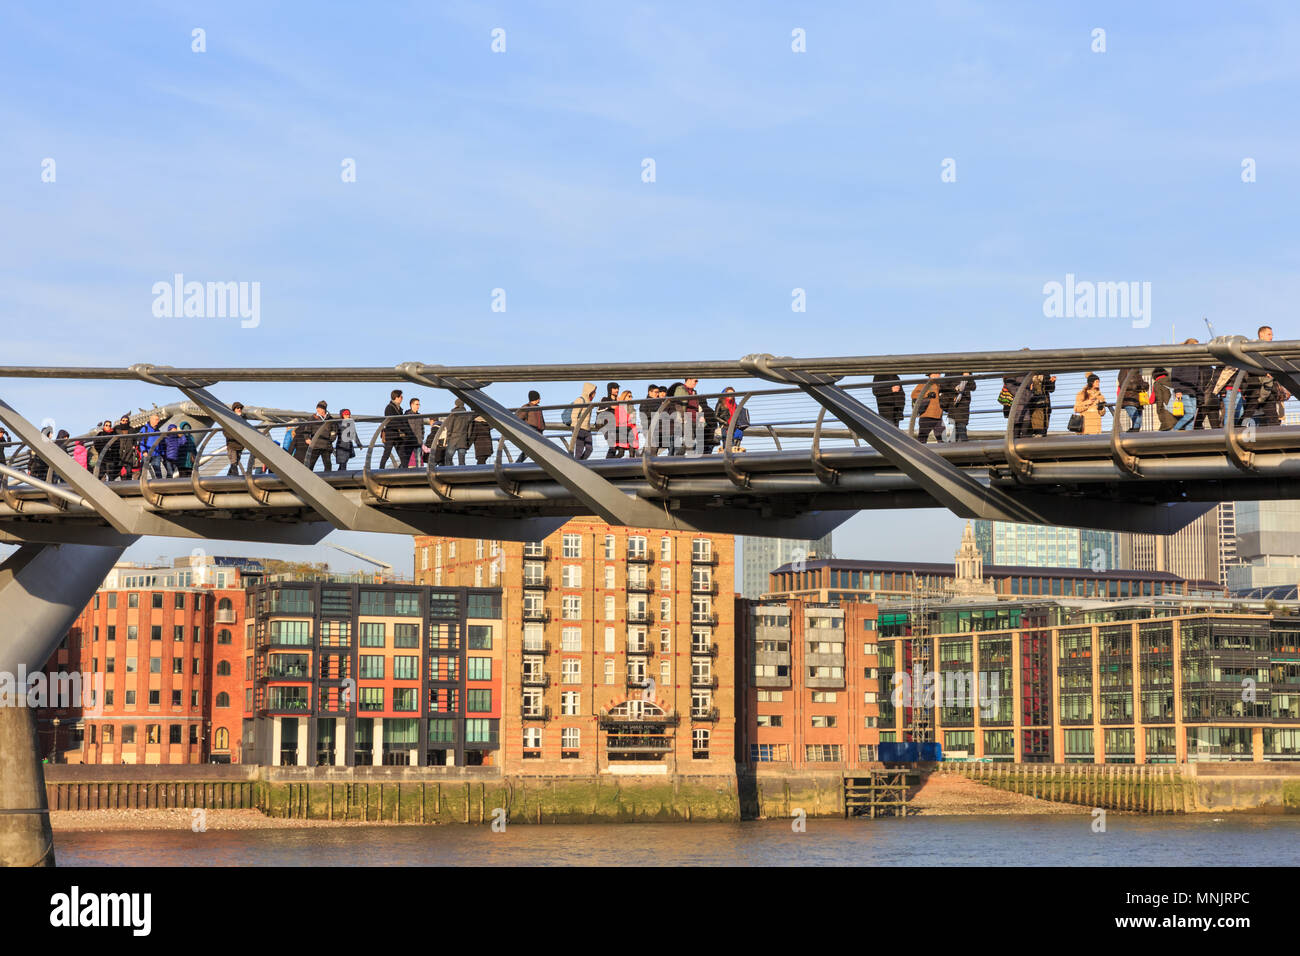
[{"x": 54, "y": 745}]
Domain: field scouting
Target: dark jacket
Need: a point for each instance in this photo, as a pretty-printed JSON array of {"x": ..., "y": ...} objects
[
  {"x": 1187, "y": 379},
  {"x": 1136, "y": 385},
  {"x": 890, "y": 403},
  {"x": 955, "y": 398},
  {"x": 394, "y": 431},
  {"x": 723, "y": 414},
  {"x": 480, "y": 436},
  {"x": 457, "y": 434},
  {"x": 531, "y": 415},
  {"x": 322, "y": 432},
  {"x": 233, "y": 443}
]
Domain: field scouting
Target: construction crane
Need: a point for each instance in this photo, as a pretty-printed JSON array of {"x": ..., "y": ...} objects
[{"x": 387, "y": 569}]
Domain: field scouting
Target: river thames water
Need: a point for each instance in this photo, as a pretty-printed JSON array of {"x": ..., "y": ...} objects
[{"x": 1201, "y": 840}]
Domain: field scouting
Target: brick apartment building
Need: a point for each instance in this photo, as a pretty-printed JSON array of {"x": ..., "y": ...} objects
[
  {"x": 809, "y": 670},
  {"x": 164, "y": 645},
  {"x": 618, "y": 646}
]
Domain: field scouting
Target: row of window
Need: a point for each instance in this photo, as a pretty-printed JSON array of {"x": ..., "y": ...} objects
[
  {"x": 104, "y": 733},
  {"x": 156, "y": 600},
  {"x": 156, "y": 633}
]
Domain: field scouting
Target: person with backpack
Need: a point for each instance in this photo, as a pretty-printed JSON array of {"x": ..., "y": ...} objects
[
  {"x": 346, "y": 448},
  {"x": 579, "y": 418},
  {"x": 531, "y": 415},
  {"x": 170, "y": 443}
]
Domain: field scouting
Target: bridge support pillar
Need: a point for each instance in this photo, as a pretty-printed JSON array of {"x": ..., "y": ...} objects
[{"x": 43, "y": 588}]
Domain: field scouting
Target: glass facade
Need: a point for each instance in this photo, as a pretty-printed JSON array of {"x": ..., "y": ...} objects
[{"x": 1007, "y": 543}]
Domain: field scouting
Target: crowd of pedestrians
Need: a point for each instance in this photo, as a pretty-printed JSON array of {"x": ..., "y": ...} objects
[{"x": 676, "y": 420}]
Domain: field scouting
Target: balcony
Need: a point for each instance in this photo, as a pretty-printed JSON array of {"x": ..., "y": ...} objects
[
  {"x": 224, "y": 615},
  {"x": 536, "y": 680},
  {"x": 638, "y": 682},
  {"x": 704, "y": 587},
  {"x": 537, "y": 614},
  {"x": 705, "y": 620},
  {"x": 641, "y": 587},
  {"x": 704, "y": 650},
  {"x": 641, "y": 557},
  {"x": 609, "y": 721},
  {"x": 537, "y": 554},
  {"x": 710, "y": 559},
  {"x": 640, "y": 650},
  {"x": 537, "y": 647},
  {"x": 542, "y": 583},
  {"x": 640, "y": 616},
  {"x": 710, "y": 682},
  {"x": 535, "y": 713},
  {"x": 707, "y": 714},
  {"x": 650, "y": 743}
]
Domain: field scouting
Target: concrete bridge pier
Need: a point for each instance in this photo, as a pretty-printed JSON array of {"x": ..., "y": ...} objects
[{"x": 43, "y": 588}]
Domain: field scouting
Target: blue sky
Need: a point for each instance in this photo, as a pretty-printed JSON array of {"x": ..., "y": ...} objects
[{"x": 522, "y": 171}]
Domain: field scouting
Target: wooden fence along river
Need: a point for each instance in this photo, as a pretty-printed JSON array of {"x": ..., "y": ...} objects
[{"x": 1148, "y": 788}]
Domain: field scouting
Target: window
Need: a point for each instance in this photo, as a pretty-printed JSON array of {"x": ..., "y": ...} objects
[
  {"x": 570, "y": 639},
  {"x": 609, "y": 640},
  {"x": 372, "y": 634},
  {"x": 609, "y": 607},
  {"x": 179, "y": 600},
  {"x": 532, "y": 738},
  {"x": 700, "y": 743},
  {"x": 109, "y": 664},
  {"x": 666, "y": 549},
  {"x": 132, "y": 632},
  {"x": 665, "y": 609},
  {"x": 370, "y": 698},
  {"x": 133, "y": 600},
  {"x": 609, "y": 671},
  {"x": 479, "y": 730},
  {"x": 636, "y": 547},
  {"x": 372, "y": 667},
  {"x": 665, "y": 640},
  {"x": 571, "y": 576},
  {"x": 701, "y": 549},
  {"x": 223, "y": 699},
  {"x": 571, "y": 670},
  {"x": 155, "y": 665},
  {"x": 155, "y": 632},
  {"x": 823, "y": 720},
  {"x": 478, "y": 701},
  {"x": 480, "y": 638},
  {"x": 572, "y": 546},
  {"x": 769, "y": 753},
  {"x": 570, "y": 701},
  {"x": 609, "y": 576},
  {"x": 223, "y": 636},
  {"x": 480, "y": 668},
  {"x": 406, "y": 698},
  {"x": 609, "y": 547},
  {"x": 571, "y": 607},
  {"x": 178, "y": 632},
  {"x": 408, "y": 635},
  {"x": 823, "y": 753},
  {"x": 569, "y": 737},
  {"x": 157, "y": 601},
  {"x": 407, "y": 668},
  {"x": 153, "y": 733},
  {"x": 112, "y": 602},
  {"x": 768, "y": 720}
]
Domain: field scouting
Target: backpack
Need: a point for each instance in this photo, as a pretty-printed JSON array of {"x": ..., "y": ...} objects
[{"x": 287, "y": 443}]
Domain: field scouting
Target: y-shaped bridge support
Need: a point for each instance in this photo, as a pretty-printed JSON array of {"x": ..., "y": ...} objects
[{"x": 43, "y": 588}]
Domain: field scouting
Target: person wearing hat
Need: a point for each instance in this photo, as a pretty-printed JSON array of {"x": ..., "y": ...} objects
[
  {"x": 234, "y": 447},
  {"x": 346, "y": 447},
  {"x": 319, "y": 435},
  {"x": 531, "y": 416}
]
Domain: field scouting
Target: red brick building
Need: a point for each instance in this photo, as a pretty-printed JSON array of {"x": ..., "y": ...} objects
[{"x": 809, "y": 678}]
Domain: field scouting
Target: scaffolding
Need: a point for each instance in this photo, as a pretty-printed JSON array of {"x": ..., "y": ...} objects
[{"x": 924, "y": 595}]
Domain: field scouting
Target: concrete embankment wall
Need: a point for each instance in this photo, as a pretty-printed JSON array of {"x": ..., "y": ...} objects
[
  {"x": 1150, "y": 788},
  {"x": 398, "y": 794}
]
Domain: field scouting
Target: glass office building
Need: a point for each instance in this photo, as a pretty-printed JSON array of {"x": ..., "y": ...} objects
[
  {"x": 761, "y": 556},
  {"x": 1268, "y": 545},
  {"x": 1044, "y": 546}
]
